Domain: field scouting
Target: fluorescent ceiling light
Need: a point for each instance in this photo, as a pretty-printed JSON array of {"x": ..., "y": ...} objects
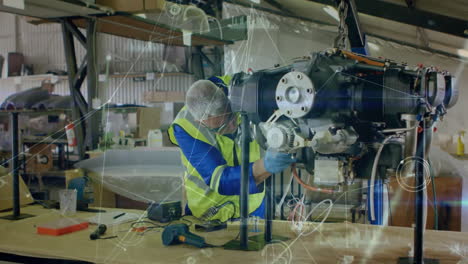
[
  {"x": 332, "y": 12},
  {"x": 463, "y": 53}
]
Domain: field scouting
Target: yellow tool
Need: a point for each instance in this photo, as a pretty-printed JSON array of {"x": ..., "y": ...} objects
[{"x": 460, "y": 144}]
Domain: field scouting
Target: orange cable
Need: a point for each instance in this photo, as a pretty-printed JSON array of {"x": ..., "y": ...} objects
[
  {"x": 308, "y": 187},
  {"x": 362, "y": 59}
]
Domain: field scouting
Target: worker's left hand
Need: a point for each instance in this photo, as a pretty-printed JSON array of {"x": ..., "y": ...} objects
[{"x": 277, "y": 161}]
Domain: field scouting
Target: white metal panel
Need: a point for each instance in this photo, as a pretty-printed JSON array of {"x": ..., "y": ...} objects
[
  {"x": 9, "y": 86},
  {"x": 120, "y": 90},
  {"x": 127, "y": 91},
  {"x": 129, "y": 55},
  {"x": 7, "y": 34},
  {"x": 42, "y": 46}
]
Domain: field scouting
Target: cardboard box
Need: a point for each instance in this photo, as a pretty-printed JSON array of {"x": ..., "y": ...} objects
[
  {"x": 154, "y": 96},
  {"x": 134, "y": 6},
  {"x": 449, "y": 192},
  {"x": 175, "y": 97},
  {"x": 123, "y": 5},
  {"x": 148, "y": 118},
  {"x": 6, "y": 192},
  {"x": 36, "y": 20},
  {"x": 14, "y": 62},
  {"x": 102, "y": 196},
  {"x": 166, "y": 141},
  {"x": 154, "y": 5},
  {"x": 164, "y": 96},
  {"x": 169, "y": 111},
  {"x": 41, "y": 158},
  {"x": 127, "y": 203}
]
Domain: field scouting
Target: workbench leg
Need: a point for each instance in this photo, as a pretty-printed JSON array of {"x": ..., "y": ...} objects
[
  {"x": 420, "y": 184},
  {"x": 244, "y": 190},
  {"x": 268, "y": 209},
  {"x": 14, "y": 166},
  {"x": 14, "y": 163}
]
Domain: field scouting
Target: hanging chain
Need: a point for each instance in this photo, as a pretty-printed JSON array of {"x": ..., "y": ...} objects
[{"x": 340, "y": 40}]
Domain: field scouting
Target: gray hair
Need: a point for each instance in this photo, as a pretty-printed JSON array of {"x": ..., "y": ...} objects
[{"x": 204, "y": 99}]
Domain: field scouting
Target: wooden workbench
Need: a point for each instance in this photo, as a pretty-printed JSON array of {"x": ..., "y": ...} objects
[{"x": 367, "y": 244}]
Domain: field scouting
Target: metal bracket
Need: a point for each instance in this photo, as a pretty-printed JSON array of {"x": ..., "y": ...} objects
[{"x": 86, "y": 127}]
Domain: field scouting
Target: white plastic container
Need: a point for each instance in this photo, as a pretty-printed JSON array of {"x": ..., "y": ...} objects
[
  {"x": 68, "y": 202},
  {"x": 155, "y": 138}
]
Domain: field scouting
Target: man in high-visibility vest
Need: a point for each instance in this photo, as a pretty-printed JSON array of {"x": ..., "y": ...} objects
[{"x": 206, "y": 131}]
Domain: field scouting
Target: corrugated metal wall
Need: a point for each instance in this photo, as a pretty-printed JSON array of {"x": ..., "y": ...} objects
[
  {"x": 128, "y": 91},
  {"x": 129, "y": 55},
  {"x": 43, "y": 47},
  {"x": 119, "y": 90}
]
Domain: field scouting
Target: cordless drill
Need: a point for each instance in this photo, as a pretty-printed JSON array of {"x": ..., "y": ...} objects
[
  {"x": 98, "y": 232},
  {"x": 179, "y": 234}
]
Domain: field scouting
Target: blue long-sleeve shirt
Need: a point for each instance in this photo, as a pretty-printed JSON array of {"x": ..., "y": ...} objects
[{"x": 205, "y": 158}]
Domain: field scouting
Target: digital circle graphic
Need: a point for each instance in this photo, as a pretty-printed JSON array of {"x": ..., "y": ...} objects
[{"x": 406, "y": 169}]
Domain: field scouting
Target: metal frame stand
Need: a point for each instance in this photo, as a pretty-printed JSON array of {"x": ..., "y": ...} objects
[
  {"x": 253, "y": 243},
  {"x": 199, "y": 58},
  {"x": 15, "y": 170},
  {"x": 86, "y": 127},
  {"x": 419, "y": 227}
]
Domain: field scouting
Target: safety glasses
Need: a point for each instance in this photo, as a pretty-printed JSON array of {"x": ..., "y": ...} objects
[{"x": 227, "y": 118}]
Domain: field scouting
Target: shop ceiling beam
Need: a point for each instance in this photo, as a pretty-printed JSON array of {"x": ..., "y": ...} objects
[
  {"x": 276, "y": 12},
  {"x": 127, "y": 25},
  {"x": 279, "y": 6},
  {"x": 50, "y": 8},
  {"x": 379, "y": 36},
  {"x": 410, "y": 3},
  {"x": 410, "y": 16}
]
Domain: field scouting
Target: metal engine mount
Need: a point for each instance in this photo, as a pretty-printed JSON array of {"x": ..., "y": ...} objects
[
  {"x": 295, "y": 94},
  {"x": 342, "y": 106}
]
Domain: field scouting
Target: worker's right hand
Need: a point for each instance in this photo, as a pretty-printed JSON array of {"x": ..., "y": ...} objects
[{"x": 277, "y": 161}]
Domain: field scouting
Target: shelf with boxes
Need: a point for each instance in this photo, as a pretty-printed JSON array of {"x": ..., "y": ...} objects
[{"x": 146, "y": 76}]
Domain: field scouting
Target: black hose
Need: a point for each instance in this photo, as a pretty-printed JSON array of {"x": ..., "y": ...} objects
[{"x": 434, "y": 197}]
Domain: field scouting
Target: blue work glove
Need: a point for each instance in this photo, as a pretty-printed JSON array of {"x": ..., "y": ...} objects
[{"x": 275, "y": 162}]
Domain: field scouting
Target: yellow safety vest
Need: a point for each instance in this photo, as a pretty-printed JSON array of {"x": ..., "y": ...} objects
[
  {"x": 225, "y": 78},
  {"x": 200, "y": 196}
]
